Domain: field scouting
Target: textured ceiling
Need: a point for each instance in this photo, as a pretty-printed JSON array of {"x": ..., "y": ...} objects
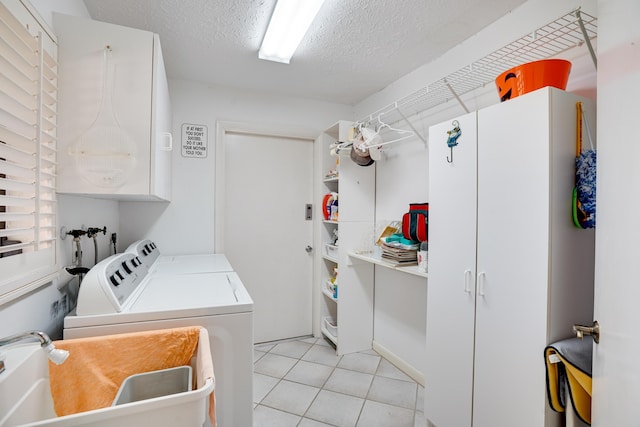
[{"x": 353, "y": 49}]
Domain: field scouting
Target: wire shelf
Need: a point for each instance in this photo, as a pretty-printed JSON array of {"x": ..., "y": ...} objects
[{"x": 550, "y": 40}]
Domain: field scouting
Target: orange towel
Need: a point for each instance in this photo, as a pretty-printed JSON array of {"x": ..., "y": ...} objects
[{"x": 96, "y": 367}]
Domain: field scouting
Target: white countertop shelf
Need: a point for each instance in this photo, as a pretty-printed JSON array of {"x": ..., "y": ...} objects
[{"x": 409, "y": 269}]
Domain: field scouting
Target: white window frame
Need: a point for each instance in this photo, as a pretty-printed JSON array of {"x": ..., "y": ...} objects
[{"x": 28, "y": 122}]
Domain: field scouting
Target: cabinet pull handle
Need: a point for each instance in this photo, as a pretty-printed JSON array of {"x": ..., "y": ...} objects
[
  {"x": 467, "y": 281},
  {"x": 481, "y": 280},
  {"x": 169, "y": 137}
]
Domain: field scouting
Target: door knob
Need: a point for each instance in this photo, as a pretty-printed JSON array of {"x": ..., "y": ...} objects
[
  {"x": 594, "y": 331},
  {"x": 308, "y": 249}
]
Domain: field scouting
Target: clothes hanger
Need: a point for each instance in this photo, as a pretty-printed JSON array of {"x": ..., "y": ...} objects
[
  {"x": 403, "y": 134},
  {"x": 337, "y": 149}
]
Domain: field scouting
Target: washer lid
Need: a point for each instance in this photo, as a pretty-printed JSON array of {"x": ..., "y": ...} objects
[
  {"x": 182, "y": 264},
  {"x": 186, "y": 291}
]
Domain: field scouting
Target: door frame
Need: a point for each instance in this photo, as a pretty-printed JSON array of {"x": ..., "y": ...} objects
[{"x": 269, "y": 130}]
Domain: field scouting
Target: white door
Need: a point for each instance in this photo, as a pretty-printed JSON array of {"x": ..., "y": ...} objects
[
  {"x": 268, "y": 181},
  {"x": 513, "y": 257},
  {"x": 452, "y": 265},
  {"x": 616, "y": 372}
]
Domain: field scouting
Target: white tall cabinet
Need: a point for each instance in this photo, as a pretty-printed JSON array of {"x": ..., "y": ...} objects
[
  {"x": 509, "y": 273},
  {"x": 114, "y": 138},
  {"x": 352, "y": 310}
]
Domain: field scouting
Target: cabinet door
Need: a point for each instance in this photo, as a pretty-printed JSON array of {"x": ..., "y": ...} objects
[
  {"x": 161, "y": 137},
  {"x": 104, "y": 107},
  {"x": 513, "y": 262},
  {"x": 451, "y": 286}
]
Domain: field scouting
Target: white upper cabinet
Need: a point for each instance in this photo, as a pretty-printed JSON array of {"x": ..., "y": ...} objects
[{"x": 114, "y": 112}]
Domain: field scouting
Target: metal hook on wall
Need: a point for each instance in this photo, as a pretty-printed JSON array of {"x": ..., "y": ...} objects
[{"x": 452, "y": 140}]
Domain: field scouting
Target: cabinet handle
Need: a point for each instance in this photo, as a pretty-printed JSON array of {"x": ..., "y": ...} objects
[
  {"x": 169, "y": 137},
  {"x": 481, "y": 280},
  {"x": 467, "y": 281}
]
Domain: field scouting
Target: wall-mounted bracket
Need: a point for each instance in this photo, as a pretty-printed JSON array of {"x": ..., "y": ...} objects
[
  {"x": 587, "y": 40},
  {"x": 455, "y": 95},
  {"x": 411, "y": 126}
]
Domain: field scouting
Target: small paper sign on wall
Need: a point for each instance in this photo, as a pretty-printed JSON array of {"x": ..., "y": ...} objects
[{"x": 194, "y": 140}]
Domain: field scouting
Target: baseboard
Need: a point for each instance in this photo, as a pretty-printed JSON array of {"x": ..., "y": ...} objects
[{"x": 399, "y": 363}]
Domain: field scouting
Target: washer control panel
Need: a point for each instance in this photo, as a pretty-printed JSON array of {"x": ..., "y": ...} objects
[
  {"x": 110, "y": 284},
  {"x": 146, "y": 250}
]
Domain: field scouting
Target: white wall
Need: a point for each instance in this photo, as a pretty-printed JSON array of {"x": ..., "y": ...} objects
[
  {"x": 186, "y": 224},
  {"x": 402, "y": 176}
]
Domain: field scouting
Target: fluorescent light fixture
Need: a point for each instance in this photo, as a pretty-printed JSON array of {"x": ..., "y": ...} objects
[{"x": 289, "y": 23}]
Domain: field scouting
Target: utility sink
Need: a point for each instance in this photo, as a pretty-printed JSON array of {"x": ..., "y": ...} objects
[{"x": 26, "y": 399}]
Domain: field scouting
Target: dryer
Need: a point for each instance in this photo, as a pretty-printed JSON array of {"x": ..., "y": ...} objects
[
  {"x": 156, "y": 262},
  {"x": 123, "y": 294}
]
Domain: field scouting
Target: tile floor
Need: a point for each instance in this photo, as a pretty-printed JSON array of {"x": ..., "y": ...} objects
[{"x": 302, "y": 383}]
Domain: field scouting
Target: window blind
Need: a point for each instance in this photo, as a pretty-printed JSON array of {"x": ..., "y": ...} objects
[{"x": 28, "y": 93}]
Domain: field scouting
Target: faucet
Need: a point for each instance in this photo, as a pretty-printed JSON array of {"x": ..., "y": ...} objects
[
  {"x": 92, "y": 232},
  {"x": 77, "y": 269},
  {"x": 57, "y": 356}
]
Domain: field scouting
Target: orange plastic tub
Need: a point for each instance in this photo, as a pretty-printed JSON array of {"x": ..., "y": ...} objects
[{"x": 531, "y": 76}]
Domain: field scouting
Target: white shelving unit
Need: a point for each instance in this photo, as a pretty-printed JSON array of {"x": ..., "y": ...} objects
[
  {"x": 352, "y": 310},
  {"x": 330, "y": 302},
  {"x": 329, "y": 254}
]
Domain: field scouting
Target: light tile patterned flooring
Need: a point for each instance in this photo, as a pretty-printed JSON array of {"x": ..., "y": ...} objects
[{"x": 302, "y": 383}]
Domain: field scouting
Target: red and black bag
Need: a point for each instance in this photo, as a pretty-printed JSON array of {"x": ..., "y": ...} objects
[{"x": 415, "y": 223}]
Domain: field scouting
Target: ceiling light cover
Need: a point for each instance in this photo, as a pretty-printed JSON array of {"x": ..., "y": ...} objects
[{"x": 289, "y": 23}]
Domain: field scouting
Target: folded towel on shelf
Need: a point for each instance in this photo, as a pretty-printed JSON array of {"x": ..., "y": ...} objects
[
  {"x": 568, "y": 364},
  {"x": 91, "y": 377},
  {"x": 398, "y": 250}
]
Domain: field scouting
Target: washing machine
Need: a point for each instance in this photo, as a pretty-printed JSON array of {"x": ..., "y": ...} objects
[
  {"x": 123, "y": 294},
  {"x": 158, "y": 263}
]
